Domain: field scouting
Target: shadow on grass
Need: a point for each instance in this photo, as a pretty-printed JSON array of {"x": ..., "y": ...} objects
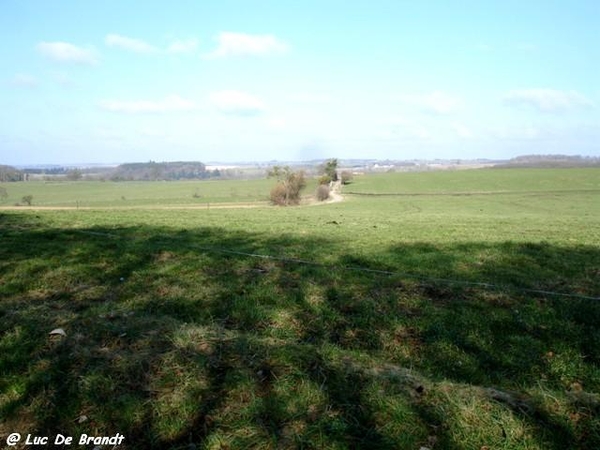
[{"x": 170, "y": 340}]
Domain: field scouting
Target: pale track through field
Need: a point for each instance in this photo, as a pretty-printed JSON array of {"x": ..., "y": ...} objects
[
  {"x": 140, "y": 207},
  {"x": 335, "y": 197},
  {"x": 335, "y": 194}
]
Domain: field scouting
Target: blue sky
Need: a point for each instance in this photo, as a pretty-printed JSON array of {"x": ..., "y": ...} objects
[{"x": 117, "y": 81}]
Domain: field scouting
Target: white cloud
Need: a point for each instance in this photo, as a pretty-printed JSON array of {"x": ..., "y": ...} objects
[
  {"x": 241, "y": 44},
  {"x": 65, "y": 52},
  {"x": 462, "y": 130},
  {"x": 547, "y": 100},
  {"x": 523, "y": 133},
  {"x": 409, "y": 128},
  {"x": 62, "y": 79},
  {"x": 236, "y": 102},
  {"x": 24, "y": 80},
  {"x": 436, "y": 102},
  {"x": 131, "y": 44},
  {"x": 276, "y": 123},
  {"x": 152, "y": 133},
  {"x": 171, "y": 103},
  {"x": 183, "y": 46},
  {"x": 310, "y": 98}
]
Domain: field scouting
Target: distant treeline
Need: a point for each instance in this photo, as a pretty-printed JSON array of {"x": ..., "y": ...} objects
[
  {"x": 8, "y": 173},
  {"x": 149, "y": 171},
  {"x": 153, "y": 171},
  {"x": 47, "y": 171}
]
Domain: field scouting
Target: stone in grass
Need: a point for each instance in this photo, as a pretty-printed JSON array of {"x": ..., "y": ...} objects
[{"x": 58, "y": 332}]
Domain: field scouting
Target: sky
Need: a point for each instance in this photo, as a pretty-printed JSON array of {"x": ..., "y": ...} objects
[{"x": 117, "y": 81}]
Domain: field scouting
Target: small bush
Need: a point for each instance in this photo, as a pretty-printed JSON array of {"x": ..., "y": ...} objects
[
  {"x": 324, "y": 179},
  {"x": 74, "y": 175},
  {"x": 322, "y": 192},
  {"x": 346, "y": 177},
  {"x": 279, "y": 195},
  {"x": 27, "y": 199}
]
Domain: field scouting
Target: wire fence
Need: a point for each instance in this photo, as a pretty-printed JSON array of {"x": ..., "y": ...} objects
[{"x": 423, "y": 279}]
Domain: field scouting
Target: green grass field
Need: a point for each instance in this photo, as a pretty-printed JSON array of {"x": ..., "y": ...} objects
[
  {"x": 458, "y": 311},
  {"x": 100, "y": 194}
]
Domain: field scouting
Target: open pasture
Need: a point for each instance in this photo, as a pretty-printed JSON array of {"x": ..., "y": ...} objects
[{"x": 458, "y": 310}]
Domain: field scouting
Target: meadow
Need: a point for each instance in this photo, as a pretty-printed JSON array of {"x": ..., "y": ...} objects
[{"x": 445, "y": 310}]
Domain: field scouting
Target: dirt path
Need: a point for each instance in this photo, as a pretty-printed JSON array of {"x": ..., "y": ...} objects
[
  {"x": 335, "y": 193},
  {"x": 206, "y": 206},
  {"x": 335, "y": 196}
]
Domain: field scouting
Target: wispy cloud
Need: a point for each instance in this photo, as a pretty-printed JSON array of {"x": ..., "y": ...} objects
[
  {"x": 547, "y": 100},
  {"x": 241, "y": 44},
  {"x": 183, "y": 46},
  {"x": 171, "y": 103},
  {"x": 236, "y": 102},
  {"x": 67, "y": 53},
  {"x": 24, "y": 80},
  {"x": 436, "y": 102},
  {"x": 131, "y": 44}
]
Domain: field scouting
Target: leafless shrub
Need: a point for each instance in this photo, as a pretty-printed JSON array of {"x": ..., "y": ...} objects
[
  {"x": 322, "y": 192},
  {"x": 289, "y": 186}
]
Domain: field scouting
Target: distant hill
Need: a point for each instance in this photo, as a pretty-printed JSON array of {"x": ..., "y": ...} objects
[
  {"x": 195, "y": 170},
  {"x": 549, "y": 161}
]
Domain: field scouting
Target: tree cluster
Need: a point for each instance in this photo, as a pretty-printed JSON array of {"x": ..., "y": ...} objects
[
  {"x": 153, "y": 171},
  {"x": 329, "y": 171},
  {"x": 9, "y": 173}
]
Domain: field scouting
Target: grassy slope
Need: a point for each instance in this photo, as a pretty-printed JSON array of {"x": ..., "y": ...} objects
[
  {"x": 485, "y": 180},
  {"x": 198, "y": 345}
]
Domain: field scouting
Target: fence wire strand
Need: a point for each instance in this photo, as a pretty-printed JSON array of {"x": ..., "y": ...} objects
[{"x": 421, "y": 278}]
